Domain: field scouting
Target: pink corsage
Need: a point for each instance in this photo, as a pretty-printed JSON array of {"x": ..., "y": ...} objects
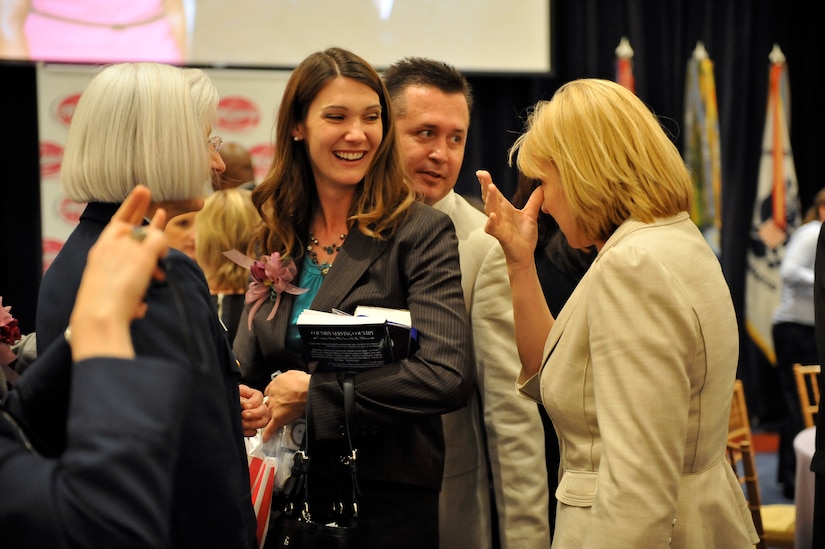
[
  {"x": 270, "y": 277},
  {"x": 9, "y": 334}
]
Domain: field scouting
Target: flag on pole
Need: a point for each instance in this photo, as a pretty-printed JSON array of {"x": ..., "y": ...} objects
[
  {"x": 702, "y": 146},
  {"x": 776, "y": 211},
  {"x": 624, "y": 64}
]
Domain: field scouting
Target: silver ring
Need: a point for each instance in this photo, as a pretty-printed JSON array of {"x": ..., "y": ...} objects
[{"x": 139, "y": 233}]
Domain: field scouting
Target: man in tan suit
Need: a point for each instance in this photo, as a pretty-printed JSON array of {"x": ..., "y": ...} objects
[{"x": 432, "y": 103}]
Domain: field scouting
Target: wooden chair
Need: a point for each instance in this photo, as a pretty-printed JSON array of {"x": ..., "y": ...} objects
[
  {"x": 739, "y": 425},
  {"x": 807, "y": 383},
  {"x": 775, "y": 523}
]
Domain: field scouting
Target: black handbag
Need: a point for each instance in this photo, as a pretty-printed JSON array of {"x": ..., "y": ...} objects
[{"x": 294, "y": 528}]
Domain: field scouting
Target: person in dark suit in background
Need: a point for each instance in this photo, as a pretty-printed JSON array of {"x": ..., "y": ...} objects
[
  {"x": 337, "y": 202},
  {"x": 162, "y": 115},
  {"x": 818, "y": 460},
  {"x": 112, "y": 486}
]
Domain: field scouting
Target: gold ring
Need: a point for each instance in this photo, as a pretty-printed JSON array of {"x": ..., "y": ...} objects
[{"x": 139, "y": 233}]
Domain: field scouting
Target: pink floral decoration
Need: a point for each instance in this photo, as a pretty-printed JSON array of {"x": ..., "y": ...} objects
[
  {"x": 9, "y": 334},
  {"x": 270, "y": 277}
]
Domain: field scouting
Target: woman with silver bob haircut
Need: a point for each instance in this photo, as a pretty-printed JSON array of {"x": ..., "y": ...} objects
[
  {"x": 149, "y": 124},
  {"x": 143, "y": 123}
]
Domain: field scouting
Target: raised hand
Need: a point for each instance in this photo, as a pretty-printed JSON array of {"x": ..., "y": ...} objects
[{"x": 516, "y": 230}]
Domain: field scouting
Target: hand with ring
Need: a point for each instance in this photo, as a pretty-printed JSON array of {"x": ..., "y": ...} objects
[{"x": 139, "y": 233}]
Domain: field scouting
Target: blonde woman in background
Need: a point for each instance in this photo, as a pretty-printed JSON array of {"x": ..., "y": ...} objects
[{"x": 227, "y": 221}]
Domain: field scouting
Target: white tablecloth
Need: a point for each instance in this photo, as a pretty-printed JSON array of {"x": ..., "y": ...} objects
[{"x": 803, "y": 445}]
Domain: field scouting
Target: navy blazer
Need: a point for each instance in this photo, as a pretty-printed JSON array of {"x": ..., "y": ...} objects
[
  {"x": 112, "y": 486},
  {"x": 211, "y": 500},
  {"x": 398, "y": 425}
]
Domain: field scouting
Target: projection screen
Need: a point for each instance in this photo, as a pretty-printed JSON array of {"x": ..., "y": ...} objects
[{"x": 477, "y": 36}]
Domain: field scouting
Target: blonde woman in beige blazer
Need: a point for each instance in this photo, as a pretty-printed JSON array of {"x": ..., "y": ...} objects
[{"x": 637, "y": 371}]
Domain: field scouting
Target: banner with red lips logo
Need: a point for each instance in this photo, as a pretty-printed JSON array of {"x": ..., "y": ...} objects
[
  {"x": 237, "y": 114},
  {"x": 64, "y": 109},
  {"x": 51, "y": 157},
  {"x": 69, "y": 210}
]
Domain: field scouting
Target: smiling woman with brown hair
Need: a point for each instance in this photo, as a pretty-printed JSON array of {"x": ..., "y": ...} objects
[{"x": 338, "y": 204}]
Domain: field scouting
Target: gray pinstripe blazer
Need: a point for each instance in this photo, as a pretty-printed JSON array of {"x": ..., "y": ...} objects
[{"x": 398, "y": 406}]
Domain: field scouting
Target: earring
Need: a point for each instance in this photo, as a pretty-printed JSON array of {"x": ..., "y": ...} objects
[{"x": 296, "y": 138}]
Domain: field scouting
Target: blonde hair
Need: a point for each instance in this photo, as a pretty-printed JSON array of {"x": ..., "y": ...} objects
[
  {"x": 613, "y": 157},
  {"x": 227, "y": 221},
  {"x": 141, "y": 123}
]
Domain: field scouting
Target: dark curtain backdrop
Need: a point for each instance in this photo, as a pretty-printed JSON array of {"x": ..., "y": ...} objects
[{"x": 738, "y": 35}]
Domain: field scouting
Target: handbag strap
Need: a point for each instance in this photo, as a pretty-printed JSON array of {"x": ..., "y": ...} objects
[
  {"x": 349, "y": 422},
  {"x": 295, "y": 489}
]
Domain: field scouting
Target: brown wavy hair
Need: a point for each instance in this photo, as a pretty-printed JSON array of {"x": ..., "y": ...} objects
[{"x": 287, "y": 196}]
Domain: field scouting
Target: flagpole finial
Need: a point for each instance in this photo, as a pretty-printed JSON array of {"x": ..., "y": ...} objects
[
  {"x": 776, "y": 56},
  {"x": 624, "y": 50},
  {"x": 700, "y": 52}
]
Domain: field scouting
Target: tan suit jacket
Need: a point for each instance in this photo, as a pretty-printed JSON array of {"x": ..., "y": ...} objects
[
  {"x": 514, "y": 431},
  {"x": 638, "y": 378}
]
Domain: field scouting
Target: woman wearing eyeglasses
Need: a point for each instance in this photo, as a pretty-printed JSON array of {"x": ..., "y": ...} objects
[{"x": 147, "y": 123}]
